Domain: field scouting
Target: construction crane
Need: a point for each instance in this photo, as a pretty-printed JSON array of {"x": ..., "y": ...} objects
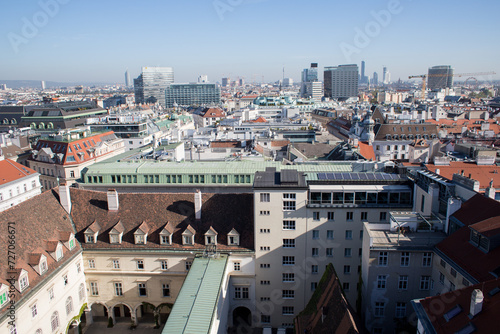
[{"x": 424, "y": 78}]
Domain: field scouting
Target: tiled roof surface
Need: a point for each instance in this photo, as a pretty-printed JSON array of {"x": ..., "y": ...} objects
[
  {"x": 221, "y": 211},
  {"x": 485, "y": 321},
  {"x": 482, "y": 173},
  {"x": 452, "y": 126},
  {"x": 381, "y": 130},
  {"x": 366, "y": 151},
  {"x": 36, "y": 221},
  {"x": 12, "y": 171},
  {"x": 476, "y": 209}
]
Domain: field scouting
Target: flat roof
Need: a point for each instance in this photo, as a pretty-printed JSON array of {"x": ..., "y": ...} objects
[
  {"x": 386, "y": 239},
  {"x": 195, "y": 305}
]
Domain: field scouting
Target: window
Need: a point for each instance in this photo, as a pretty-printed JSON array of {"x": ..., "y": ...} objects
[
  {"x": 78, "y": 267},
  {"x": 265, "y": 230},
  {"x": 34, "y": 311},
  {"x": 51, "y": 294},
  {"x": 165, "y": 240},
  {"x": 43, "y": 266},
  {"x": 81, "y": 292},
  {"x": 94, "y": 290},
  {"x": 288, "y": 294},
  {"x": 364, "y": 216},
  {"x": 360, "y": 234},
  {"x": 345, "y": 286},
  {"x": 265, "y": 248},
  {"x": 3, "y": 298},
  {"x": 288, "y": 243},
  {"x": 288, "y": 277},
  {"x": 265, "y": 282},
  {"x": 329, "y": 234},
  {"x": 69, "y": 305},
  {"x": 383, "y": 216},
  {"x": 315, "y": 251},
  {"x": 118, "y": 289},
  {"x": 265, "y": 213},
  {"x": 381, "y": 281},
  {"x": 289, "y": 224},
  {"x": 288, "y": 260},
  {"x": 265, "y": 265},
  {"x": 442, "y": 263},
  {"x": 164, "y": 265},
  {"x": 452, "y": 286},
  {"x": 265, "y": 197},
  {"x": 23, "y": 282},
  {"x": 329, "y": 252},
  {"x": 116, "y": 264},
  {"x": 165, "y": 290},
  {"x": 316, "y": 215},
  {"x": 425, "y": 282},
  {"x": 465, "y": 282},
  {"x": 422, "y": 204},
  {"x": 314, "y": 269},
  {"x": 382, "y": 259},
  {"x": 265, "y": 319},
  {"x": 427, "y": 259},
  {"x": 315, "y": 234},
  {"x": 347, "y": 252},
  {"x": 379, "y": 309},
  {"x": 453, "y": 272},
  {"x": 403, "y": 282},
  {"x": 441, "y": 278},
  {"x": 400, "y": 310},
  {"x": 54, "y": 321},
  {"x": 287, "y": 310},
  {"x": 288, "y": 201},
  {"x": 347, "y": 270},
  {"x": 405, "y": 259},
  {"x": 348, "y": 234},
  {"x": 236, "y": 266},
  {"x": 140, "y": 264},
  {"x": 349, "y": 215},
  {"x": 331, "y": 215},
  {"x": 89, "y": 238},
  {"x": 314, "y": 285},
  {"x": 241, "y": 292},
  {"x": 71, "y": 174},
  {"x": 188, "y": 265},
  {"x": 91, "y": 264},
  {"x": 142, "y": 289},
  {"x": 65, "y": 280},
  {"x": 139, "y": 239}
]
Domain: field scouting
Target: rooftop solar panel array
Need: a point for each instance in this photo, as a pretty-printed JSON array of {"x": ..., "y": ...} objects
[{"x": 359, "y": 176}]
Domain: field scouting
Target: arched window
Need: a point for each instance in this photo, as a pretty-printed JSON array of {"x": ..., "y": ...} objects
[
  {"x": 33, "y": 125},
  {"x": 13, "y": 121},
  {"x": 50, "y": 125},
  {"x": 54, "y": 321},
  {"x": 39, "y": 331},
  {"x": 69, "y": 305},
  {"x": 81, "y": 292},
  {"x": 41, "y": 125},
  {"x": 5, "y": 121}
]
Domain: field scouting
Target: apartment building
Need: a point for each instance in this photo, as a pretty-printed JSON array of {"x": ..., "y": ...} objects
[
  {"x": 17, "y": 184},
  {"x": 303, "y": 222}
]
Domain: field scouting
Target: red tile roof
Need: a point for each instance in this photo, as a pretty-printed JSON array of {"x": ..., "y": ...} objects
[
  {"x": 452, "y": 126},
  {"x": 366, "y": 151},
  {"x": 482, "y": 173},
  {"x": 485, "y": 321},
  {"x": 476, "y": 209},
  {"x": 13, "y": 171}
]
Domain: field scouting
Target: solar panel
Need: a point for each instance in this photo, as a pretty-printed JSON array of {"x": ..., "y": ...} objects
[
  {"x": 363, "y": 176},
  {"x": 322, "y": 176},
  {"x": 346, "y": 176},
  {"x": 355, "y": 176},
  {"x": 379, "y": 176},
  {"x": 387, "y": 176},
  {"x": 330, "y": 176},
  {"x": 337, "y": 176}
]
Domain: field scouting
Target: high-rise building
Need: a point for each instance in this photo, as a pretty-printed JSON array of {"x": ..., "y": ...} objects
[
  {"x": 241, "y": 82},
  {"x": 203, "y": 78},
  {"x": 384, "y": 75},
  {"x": 308, "y": 75},
  {"x": 440, "y": 77},
  {"x": 375, "y": 79},
  {"x": 287, "y": 82},
  {"x": 42, "y": 83},
  {"x": 128, "y": 82},
  {"x": 341, "y": 82},
  {"x": 314, "y": 90},
  {"x": 363, "y": 78},
  {"x": 226, "y": 82},
  {"x": 192, "y": 94},
  {"x": 150, "y": 85}
]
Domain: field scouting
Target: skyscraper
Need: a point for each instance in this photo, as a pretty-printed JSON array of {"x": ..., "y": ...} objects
[
  {"x": 308, "y": 75},
  {"x": 192, "y": 94},
  {"x": 341, "y": 82},
  {"x": 226, "y": 82},
  {"x": 440, "y": 77},
  {"x": 150, "y": 85},
  {"x": 43, "y": 85},
  {"x": 127, "y": 79},
  {"x": 375, "y": 79},
  {"x": 363, "y": 78},
  {"x": 384, "y": 75}
]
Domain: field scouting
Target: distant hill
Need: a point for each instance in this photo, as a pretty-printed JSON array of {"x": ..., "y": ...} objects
[{"x": 48, "y": 84}]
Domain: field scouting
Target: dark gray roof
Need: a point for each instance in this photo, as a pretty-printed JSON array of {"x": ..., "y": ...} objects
[{"x": 285, "y": 179}]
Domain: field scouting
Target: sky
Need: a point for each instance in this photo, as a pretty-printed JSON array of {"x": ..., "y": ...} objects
[{"x": 97, "y": 41}]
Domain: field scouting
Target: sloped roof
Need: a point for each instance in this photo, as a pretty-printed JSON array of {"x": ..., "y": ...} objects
[
  {"x": 476, "y": 209},
  {"x": 13, "y": 171},
  {"x": 366, "y": 151},
  {"x": 482, "y": 173}
]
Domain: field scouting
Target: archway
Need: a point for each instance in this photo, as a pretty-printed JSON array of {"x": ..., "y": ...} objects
[
  {"x": 122, "y": 313},
  {"x": 242, "y": 319},
  {"x": 99, "y": 312}
]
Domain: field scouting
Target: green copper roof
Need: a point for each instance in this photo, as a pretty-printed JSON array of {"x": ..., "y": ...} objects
[{"x": 195, "y": 305}]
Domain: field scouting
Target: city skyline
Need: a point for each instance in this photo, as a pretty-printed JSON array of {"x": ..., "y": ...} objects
[{"x": 63, "y": 40}]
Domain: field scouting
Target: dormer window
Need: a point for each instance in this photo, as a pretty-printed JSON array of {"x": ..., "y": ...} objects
[
  {"x": 89, "y": 239},
  {"x": 91, "y": 233},
  {"x": 480, "y": 241},
  {"x": 23, "y": 282},
  {"x": 4, "y": 295},
  {"x": 141, "y": 234},
  {"x": 166, "y": 234},
  {"x": 116, "y": 233},
  {"x": 59, "y": 252},
  {"x": 139, "y": 239},
  {"x": 188, "y": 236},
  {"x": 233, "y": 238},
  {"x": 211, "y": 237},
  {"x": 43, "y": 266},
  {"x": 187, "y": 240},
  {"x": 166, "y": 239}
]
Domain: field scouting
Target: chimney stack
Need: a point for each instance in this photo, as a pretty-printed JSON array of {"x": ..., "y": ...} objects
[
  {"x": 438, "y": 171},
  {"x": 476, "y": 302},
  {"x": 113, "y": 203},
  {"x": 197, "y": 204},
  {"x": 64, "y": 197}
]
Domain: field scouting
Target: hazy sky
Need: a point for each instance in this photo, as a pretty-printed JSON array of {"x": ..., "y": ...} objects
[{"x": 77, "y": 40}]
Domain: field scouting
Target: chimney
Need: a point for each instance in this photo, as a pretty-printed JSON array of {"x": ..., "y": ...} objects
[
  {"x": 438, "y": 171},
  {"x": 197, "y": 204},
  {"x": 476, "y": 302},
  {"x": 64, "y": 197},
  {"x": 113, "y": 203}
]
